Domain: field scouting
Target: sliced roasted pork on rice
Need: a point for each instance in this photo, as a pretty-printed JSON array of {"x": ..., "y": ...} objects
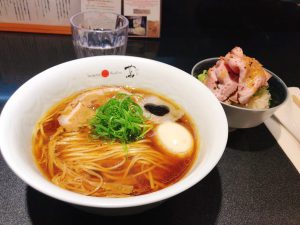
[{"x": 237, "y": 79}]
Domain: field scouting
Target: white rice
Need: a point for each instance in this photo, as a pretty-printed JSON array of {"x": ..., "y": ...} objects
[{"x": 259, "y": 102}]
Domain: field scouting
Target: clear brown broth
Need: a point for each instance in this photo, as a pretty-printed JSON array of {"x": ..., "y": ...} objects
[{"x": 178, "y": 168}]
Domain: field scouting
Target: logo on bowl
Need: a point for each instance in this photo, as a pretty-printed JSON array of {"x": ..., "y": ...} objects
[
  {"x": 105, "y": 73},
  {"x": 129, "y": 71}
]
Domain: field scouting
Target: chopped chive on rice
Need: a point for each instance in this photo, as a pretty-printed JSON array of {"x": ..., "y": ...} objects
[{"x": 203, "y": 76}]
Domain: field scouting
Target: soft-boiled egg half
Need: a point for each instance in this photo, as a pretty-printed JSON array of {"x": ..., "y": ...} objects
[{"x": 174, "y": 138}]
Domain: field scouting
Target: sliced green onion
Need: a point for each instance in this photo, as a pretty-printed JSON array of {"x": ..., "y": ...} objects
[{"x": 120, "y": 119}]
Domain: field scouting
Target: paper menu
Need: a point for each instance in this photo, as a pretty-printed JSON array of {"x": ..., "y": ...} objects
[
  {"x": 144, "y": 17},
  {"x": 47, "y": 12},
  {"x": 52, "y": 16},
  {"x": 103, "y": 5}
]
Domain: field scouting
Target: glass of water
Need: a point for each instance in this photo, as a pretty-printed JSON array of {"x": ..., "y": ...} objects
[{"x": 99, "y": 33}]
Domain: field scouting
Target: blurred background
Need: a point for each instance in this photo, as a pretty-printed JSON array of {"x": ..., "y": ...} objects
[
  {"x": 197, "y": 16},
  {"x": 190, "y": 31}
]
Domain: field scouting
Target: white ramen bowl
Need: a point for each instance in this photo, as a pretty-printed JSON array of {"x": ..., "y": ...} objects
[{"x": 37, "y": 95}]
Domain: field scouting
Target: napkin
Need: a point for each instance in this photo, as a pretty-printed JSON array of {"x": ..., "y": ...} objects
[
  {"x": 285, "y": 126},
  {"x": 289, "y": 114}
]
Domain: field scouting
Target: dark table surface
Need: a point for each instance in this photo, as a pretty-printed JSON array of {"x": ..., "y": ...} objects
[{"x": 254, "y": 182}]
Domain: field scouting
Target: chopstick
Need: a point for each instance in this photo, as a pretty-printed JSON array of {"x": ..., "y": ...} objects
[{"x": 296, "y": 100}]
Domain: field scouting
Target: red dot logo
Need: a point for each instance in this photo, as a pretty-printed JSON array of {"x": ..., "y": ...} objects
[{"x": 105, "y": 73}]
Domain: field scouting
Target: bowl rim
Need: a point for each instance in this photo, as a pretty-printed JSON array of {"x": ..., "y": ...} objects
[
  {"x": 104, "y": 202},
  {"x": 241, "y": 108}
]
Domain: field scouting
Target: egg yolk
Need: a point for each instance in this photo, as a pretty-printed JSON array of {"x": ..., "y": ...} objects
[{"x": 174, "y": 138}]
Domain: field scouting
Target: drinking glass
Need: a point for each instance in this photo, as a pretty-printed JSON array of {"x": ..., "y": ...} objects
[{"x": 99, "y": 33}]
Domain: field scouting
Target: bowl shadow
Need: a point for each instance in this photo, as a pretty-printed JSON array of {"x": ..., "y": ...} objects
[
  {"x": 198, "y": 205},
  {"x": 251, "y": 139}
]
